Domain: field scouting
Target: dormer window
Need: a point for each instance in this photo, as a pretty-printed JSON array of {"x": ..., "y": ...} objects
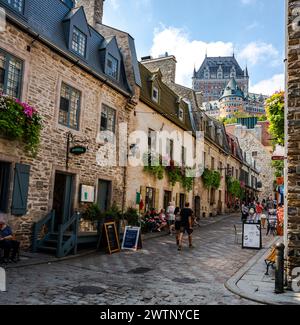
[
  {"x": 17, "y": 5},
  {"x": 155, "y": 94},
  {"x": 181, "y": 114},
  {"x": 79, "y": 41},
  {"x": 112, "y": 67}
]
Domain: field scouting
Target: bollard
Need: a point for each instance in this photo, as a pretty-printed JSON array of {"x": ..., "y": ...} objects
[{"x": 279, "y": 271}]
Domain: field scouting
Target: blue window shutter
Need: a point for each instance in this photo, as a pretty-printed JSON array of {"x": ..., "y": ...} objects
[{"x": 20, "y": 192}]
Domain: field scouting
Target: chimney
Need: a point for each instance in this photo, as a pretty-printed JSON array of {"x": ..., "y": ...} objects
[
  {"x": 93, "y": 10},
  {"x": 165, "y": 63}
]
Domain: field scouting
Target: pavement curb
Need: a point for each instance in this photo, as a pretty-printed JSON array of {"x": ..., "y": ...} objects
[{"x": 232, "y": 286}]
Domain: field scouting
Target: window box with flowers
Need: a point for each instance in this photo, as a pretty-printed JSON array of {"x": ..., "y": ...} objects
[{"x": 20, "y": 121}]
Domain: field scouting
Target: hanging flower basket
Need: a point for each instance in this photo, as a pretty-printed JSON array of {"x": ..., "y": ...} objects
[{"x": 20, "y": 121}]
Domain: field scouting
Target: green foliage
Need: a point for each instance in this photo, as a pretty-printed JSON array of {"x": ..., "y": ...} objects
[
  {"x": 152, "y": 165},
  {"x": 279, "y": 168},
  {"x": 132, "y": 217},
  {"x": 211, "y": 179},
  {"x": 114, "y": 213},
  {"x": 19, "y": 121},
  {"x": 234, "y": 187},
  {"x": 92, "y": 213},
  {"x": 173, "y": 175},
  {"x": 262, "y": 118},
  {"x": 275, "y": 114}
]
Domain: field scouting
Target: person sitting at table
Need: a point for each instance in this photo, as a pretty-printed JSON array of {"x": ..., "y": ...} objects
[
  {"x": 7, "y": 242},
  {"x": 162, "y": 221}
]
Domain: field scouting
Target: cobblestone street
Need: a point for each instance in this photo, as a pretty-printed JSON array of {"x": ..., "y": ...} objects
[{"x": 158, "y": 274}]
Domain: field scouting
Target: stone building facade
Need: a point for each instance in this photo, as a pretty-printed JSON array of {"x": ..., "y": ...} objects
[
  {"x": 293, "y": 136},
  {"x": 48, "y": 70},
  {"x": 162, "y": 120},
  {"x": 215, "y": 73},
  {"x": 217, "y": 151},
  {"x": 255, "y": 152}
]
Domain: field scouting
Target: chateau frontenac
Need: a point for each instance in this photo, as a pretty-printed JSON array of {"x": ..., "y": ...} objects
[{"x": 225, "y": 88}]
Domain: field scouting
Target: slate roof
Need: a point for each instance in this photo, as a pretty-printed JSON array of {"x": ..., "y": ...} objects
[
  {"x": 225, "y": 62},
  {"x": 169, "y": 101},
  {"x": 46, "y": 19}
]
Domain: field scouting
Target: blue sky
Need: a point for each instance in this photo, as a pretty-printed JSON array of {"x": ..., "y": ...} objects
[{"x": 253, "y": 29}]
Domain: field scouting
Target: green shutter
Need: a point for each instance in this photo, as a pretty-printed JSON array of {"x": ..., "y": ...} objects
[{"x": 20, "y": 192}]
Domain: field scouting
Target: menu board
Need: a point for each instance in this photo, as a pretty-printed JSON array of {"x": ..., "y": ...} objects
[
  {"x": 252, "y": 236},
  {"x": 111, "y": 237},
  {"x": 132, "y": 238}
]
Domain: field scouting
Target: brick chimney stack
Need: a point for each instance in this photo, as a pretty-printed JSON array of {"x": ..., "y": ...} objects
[{"x": 93, "y": 10}]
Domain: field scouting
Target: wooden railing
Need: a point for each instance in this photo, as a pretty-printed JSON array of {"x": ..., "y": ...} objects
[
  {"x": 65, "y": 247},
  {"x": 48, "y": 221}
]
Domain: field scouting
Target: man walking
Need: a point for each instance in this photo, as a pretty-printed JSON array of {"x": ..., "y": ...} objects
[{"x": 186, "y": 225}]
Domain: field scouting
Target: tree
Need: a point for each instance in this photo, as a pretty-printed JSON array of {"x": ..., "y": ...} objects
[{"x": 275, "y": 114}]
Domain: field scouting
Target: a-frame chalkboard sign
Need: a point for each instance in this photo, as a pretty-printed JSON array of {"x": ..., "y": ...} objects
[{"x": 111, "y": 237}]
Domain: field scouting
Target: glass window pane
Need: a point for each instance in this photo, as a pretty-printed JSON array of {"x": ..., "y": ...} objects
[
  {"x": 17, "y": 5},
  {"x": 69, "y": 109},
  {"x": 78, "y": 42},
  {"x": 10, "y": 74},
  {"x": 112, "y": 66}
]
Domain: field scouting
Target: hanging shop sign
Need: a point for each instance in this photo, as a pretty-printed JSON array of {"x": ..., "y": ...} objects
[{"x": 78, "y": 150}]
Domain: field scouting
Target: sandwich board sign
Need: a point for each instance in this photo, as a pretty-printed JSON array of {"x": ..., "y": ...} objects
[
  {"x": 111, "y": 237},
  {"x": 252, "y": 235},
  {"x": 132, "y": 239}
]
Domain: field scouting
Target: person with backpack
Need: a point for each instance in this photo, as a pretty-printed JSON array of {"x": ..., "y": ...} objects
[{"x": 186, "y": 225}]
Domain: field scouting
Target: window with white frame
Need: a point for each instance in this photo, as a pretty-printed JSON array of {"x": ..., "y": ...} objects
[
  {"x": 112, "y": 67},
  {"x": 79, "y": 41},
  {"x": 108, "y": 123},
  {"x": 17, "y": 5},
  {"x": 69, "y": 109},
  {"x": 11, "y": 69}
]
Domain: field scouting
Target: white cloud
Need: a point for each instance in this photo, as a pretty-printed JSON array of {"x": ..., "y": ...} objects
[
  {"x": 258, "y": 52},
  {"x": 269, "y": 86},
  {"x": 189, "y": 53}
]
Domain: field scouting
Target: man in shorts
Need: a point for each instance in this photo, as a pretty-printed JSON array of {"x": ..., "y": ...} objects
[{"x": 186, "y": 225}]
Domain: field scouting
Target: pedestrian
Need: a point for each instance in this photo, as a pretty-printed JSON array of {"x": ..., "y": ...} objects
[
  {"x": 186, "y": 225},
  {"x": 171, "y": 216},
  {"x": 245, "y": 212},
  {"x": 177, "y": 224},
  {"x": 259, "y": 210}
]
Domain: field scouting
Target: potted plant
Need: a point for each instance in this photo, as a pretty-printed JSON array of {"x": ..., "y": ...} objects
[{"x": 93, "y": 215}]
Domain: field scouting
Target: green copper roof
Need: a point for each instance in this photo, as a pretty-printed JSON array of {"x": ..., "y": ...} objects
[{"x": 232, "y": 89}]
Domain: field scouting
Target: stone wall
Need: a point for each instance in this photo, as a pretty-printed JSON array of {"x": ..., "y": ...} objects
[
  {"x": 44, "y": 73},
  {"x": 249, "y": 144},
  {"x": 293, "y": 92},
  {"x": 93, "y": 10},
  {"x": 167, "y": 66}
]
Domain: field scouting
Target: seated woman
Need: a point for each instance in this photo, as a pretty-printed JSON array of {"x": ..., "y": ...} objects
[
  {"x": 162, "y": 221},
  {"x": 150, "y": 222},
  {"x": 7, "y": 242}
]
